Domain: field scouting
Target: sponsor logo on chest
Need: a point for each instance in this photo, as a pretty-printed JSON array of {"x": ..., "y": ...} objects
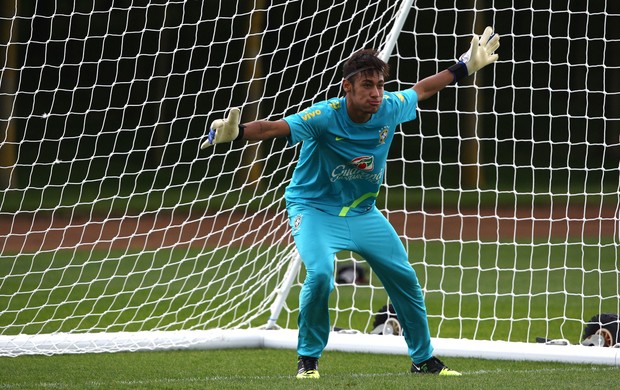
[
  {"x": 359, "y": 168},
  {"x": 365, "y": 163}
]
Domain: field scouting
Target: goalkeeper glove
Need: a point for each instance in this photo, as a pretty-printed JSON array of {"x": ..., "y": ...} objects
[
  {"x": 480, "y": 54},
  {"x": 224, "y": 130}
]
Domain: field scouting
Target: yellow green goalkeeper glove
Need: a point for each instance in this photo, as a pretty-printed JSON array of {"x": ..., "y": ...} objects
[
  {"x": 480, "y": 54},
  {"x": 223, "y": 130}
]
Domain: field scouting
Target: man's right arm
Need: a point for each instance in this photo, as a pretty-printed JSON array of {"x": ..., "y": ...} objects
[
  {"x": 262, "y": 130},
  {"x": 229, "y": 129}
]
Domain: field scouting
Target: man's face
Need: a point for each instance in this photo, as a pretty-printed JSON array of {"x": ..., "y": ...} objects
[{"x": 364, "y": 94}]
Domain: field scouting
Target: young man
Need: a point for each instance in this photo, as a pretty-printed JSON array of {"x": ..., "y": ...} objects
[{"x": 331, "y": 197}]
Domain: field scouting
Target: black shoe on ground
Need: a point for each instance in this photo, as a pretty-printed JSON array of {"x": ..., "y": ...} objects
[
  {"x": 307, "y": 367},
  {"x": 433, "y": 366}
]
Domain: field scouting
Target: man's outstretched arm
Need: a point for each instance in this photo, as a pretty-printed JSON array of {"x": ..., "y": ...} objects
[
  {"x": 261, "y": 130},
  {"x": 229, "y": 129},
  {"x": 480, "y": 54},
  {"x": 429, "y": 86}
]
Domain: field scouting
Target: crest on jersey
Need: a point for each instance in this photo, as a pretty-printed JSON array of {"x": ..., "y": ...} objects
[
  {"x": 365, "y": 163},
  {"x": 383, "y": 133},
  {"x": 297, "y": 223}
]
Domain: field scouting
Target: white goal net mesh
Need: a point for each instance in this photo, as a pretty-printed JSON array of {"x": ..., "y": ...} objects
[{"x": 505, "y": 189}]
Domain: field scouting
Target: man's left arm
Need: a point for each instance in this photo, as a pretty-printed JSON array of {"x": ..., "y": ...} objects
[
  {"x": 429, "y": 86},
  {"x": 480, "y": 54}
]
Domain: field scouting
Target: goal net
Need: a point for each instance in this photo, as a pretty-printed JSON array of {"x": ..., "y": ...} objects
[{"x": 118, "y": 233}]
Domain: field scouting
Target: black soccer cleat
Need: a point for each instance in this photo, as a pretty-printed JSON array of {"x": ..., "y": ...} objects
[
  {"x": 307, "y": 367},
  {"x": 433, "y": 366}
]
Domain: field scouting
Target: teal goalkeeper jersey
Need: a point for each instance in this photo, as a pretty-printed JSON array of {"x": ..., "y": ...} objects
[{"x": 342, "y": 163}]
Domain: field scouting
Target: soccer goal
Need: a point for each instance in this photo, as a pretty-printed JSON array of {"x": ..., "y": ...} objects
[{"x": 117, "y": 233}]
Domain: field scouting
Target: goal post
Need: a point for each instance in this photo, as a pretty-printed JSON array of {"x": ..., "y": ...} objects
[{"x": 117, "y": 233}]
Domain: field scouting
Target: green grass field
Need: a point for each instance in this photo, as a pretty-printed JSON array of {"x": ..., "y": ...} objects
[
  {"x": 473, "y": 290},
  {"x": 274, "y": 369}
]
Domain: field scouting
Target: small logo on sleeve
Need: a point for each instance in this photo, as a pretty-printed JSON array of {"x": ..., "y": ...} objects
[{"x": 305, "y": 115}]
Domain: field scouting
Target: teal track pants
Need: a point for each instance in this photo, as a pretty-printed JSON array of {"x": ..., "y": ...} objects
[{"x": 318, "y": 237}]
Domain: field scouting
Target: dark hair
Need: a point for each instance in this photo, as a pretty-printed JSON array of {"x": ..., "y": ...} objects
[{"x": 366, "y": 60}]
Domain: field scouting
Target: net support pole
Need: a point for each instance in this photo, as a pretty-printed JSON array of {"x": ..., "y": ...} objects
[
  {"x": 392, "y": 37},
  {"x": 8, "y": 136},
  {"x": 285, "y": 287}
]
